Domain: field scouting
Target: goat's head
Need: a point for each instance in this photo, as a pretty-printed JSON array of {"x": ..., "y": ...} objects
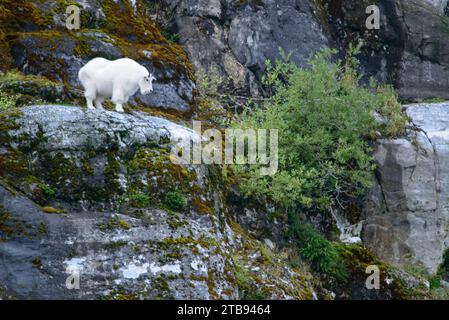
[{"x": 146, "y": 84}]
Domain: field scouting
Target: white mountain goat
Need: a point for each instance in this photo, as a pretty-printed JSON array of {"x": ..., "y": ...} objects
[{"x": 116, "y": 80}]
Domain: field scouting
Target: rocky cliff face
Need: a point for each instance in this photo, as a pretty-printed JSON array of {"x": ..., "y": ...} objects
[
  {"x": 409, "y": 49},
  {"x": 94, "y": 194},
  {"x": 236, "y": 37},
  {"x": 407, "y": 214}
]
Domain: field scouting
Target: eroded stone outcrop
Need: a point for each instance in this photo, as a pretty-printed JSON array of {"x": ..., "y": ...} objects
[
  {"x": 94, "y": 193},
  {"x": 407, "y": 215},
  {"x": 409, "y": 50},
  {"x": 237, "y": 37}
]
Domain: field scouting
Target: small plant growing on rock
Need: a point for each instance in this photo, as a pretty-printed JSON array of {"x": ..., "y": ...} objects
[
  {"x": 175, "y": 201},
  {"x": 139, "y": 200},
  {"x": 211, "y": 104},
  {"x": 318, "y": 251},
  {"x": 115, "y": 223},
  {"x": 7, "y": 101},
  {"x": 52, "y": 210},
  {"x": 48, "y": 191}
]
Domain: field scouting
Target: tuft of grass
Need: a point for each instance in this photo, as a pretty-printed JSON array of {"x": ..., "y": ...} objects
[
  {"x": 139, "y": 200},
  {"x": 317, "y": 250},
  {"x": 175, "y": 201},
  {"x": 7, "y": 101},
  {"x": 48, "y": 191}
]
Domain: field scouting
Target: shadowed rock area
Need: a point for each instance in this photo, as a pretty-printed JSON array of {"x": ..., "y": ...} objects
[
  {"x": 409, "y": 50},
  {"x": 236, "y": 37}
]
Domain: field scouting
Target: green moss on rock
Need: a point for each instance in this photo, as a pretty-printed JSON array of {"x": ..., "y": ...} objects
[{"x": 393, "y": 281}]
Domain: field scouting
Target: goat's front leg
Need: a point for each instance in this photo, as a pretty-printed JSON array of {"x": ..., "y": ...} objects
[
  {"x": 119, "y": 107},
  {"x": 90, "y": 104},
  {"x": 118, "y": 99}
]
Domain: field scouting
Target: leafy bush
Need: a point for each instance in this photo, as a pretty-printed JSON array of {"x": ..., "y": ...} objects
[
  {"x": 7, "y": 101},
  {"x": 175, "y": 201},
  {"x": 325, "y": 121},
  {"x": 210, "y": 101},
  {"x": 139, "y": 200},
  {"x": 48, "y": 191},
  {"x": 317, "y": 250}
]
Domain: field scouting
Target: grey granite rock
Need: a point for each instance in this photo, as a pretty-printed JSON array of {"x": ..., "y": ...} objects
[
  {"x": 407, "y": 214},
  {"x": 409, "y": 50},
  {"x": 236, "y": 38},
  {"x": 90, "y": 229}
]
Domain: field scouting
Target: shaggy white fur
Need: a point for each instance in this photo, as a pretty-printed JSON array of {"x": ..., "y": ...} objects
[{"x": 117, "y": 80}]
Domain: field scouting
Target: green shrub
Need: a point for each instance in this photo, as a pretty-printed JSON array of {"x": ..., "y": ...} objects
[
  {"x": 317, "y": 250},
  {"x": 48, "y": 191},
  {"x": 175, "y": 201},
  {"x": 7, "y": 101},
  {"x": 139, "y": 200},
  {"x": 325, "y": 121},
  {"x": 210, "y": 102}
]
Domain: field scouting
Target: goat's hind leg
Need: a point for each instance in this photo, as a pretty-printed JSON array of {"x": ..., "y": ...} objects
[
  {"x": 90, "y": 97},
  {"x": 99, "y": 103}
]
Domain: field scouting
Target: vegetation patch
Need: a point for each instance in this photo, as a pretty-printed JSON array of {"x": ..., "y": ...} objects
[
  {"x": 325, "y": 122},
  {"x": 31, "y": 89},
  {"x": 318, "y": 251},
  {"x": 175, "y": 201},
  {"x": 115, "y": 223},
  {"x": 139, "y": 200},
  {"x": 394, "y": 282},
  {"x": 52, "y": 210}
]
